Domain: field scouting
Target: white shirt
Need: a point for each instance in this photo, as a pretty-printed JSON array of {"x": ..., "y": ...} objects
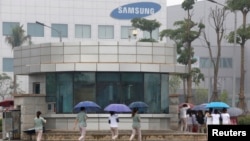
[
  {"x": 113, "y": 120},
  {"x": 215, "y": 119},
  {"x": 183, "y": 112},
  {"x": 225, "y": 118},
  {"x": 209, "y": 120}
]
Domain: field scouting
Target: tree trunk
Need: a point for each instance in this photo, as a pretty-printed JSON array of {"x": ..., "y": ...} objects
[
  {"x": 189, "y": 77},
  {"x": 242, "y": 104}
]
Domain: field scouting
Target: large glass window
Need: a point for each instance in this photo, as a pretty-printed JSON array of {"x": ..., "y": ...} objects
[
  {"x": 84, "y": 87},
  {"x": 8, "y": 26},
  {"x": 69, "y": 88},
  {"x": 127, "y": 32},
  {"x": 51, "y": 87},
  {"x": 64, "y": 102},
  {"x": 153, "y": 92},
  {"x": 82, "y": 31},
  {"x": 155, "y": 34},
  {"x": 106, "y": 32},
  {"x": 107, "y": 90},
  {"x": 35, "y": 30},
  {"x": 63, "y": 28},
  {"x": 7, "y": 64},
  {"x": 132, "y": 87}
]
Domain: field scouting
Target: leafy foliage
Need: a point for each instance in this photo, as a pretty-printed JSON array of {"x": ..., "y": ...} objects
[
  {"x": 6, "y": 85},
  {"x": 17, "y": 37},
  {"x": 201, "y": 96},
  {"x": 241, "y": 34},
  {"x": 147, "y": 40},
  {"x": 185, "y": 33},
  {"x": 145, "y": 25},
  {"x": 244, "y": 120},
  {"x": 174, "y": 83},
  {"x": 238, "y": 4},
  {"x": 224, "y": 96}
]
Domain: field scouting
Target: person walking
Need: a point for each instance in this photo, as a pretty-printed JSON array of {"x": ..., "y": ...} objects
[
  {"x": 39, "y": 122},
  {"x": 201, "y": 123},
  {"x": 225, "y": 117},
  {"x": 216, "y": 117},
  {"x": 136, "y": 126},
  {"x": 81, "y": 121},
  {"x": 208, "y": 118},
  {"x": 183, "y": 116},
  {"x": 189, "y": 121},
  {"x": 113, "y": 122}
]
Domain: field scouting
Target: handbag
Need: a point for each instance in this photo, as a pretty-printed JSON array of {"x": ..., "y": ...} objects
[{"x": 194, "y": 128}]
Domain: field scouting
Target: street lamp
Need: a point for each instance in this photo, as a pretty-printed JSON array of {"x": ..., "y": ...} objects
[
  {"x": 59, "y": 32},
  {"x": 234, "y": 46}
]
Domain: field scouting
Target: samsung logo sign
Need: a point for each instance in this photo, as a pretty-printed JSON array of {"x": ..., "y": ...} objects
[{"x": 135, "y": 10}]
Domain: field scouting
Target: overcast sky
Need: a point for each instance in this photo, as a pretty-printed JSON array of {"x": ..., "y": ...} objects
[{"x": 174, "y": 2}]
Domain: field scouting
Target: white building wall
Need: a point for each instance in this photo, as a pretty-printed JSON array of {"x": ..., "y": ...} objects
[{"x": 91, "y": 12}]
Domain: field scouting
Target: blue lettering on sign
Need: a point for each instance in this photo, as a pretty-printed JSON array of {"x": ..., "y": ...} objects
[{"x": 135, "y": 10}]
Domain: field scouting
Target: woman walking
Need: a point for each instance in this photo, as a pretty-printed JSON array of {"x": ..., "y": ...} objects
[
  {"x": 136, "y": 126},
  {"x": 225, "y": 117},
  {"x": 81, "y": 121},
  {"x": 113, "y": 122},
  {"x": 39, "y": 121}
]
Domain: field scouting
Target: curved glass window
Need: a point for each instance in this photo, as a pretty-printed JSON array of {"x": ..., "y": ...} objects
[{"x": 69, "y": 88}]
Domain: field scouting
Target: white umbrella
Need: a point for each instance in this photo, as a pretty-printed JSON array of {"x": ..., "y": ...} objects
[{"x": 234, "y": 111}]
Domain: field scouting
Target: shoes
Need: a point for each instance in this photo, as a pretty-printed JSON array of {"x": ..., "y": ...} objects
[{"x": 80, "y": 138}]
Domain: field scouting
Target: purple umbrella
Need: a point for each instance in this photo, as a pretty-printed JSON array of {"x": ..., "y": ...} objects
[
  {"x": 90, "y": 106},
  {"x": 200, "y": 107},
  {"x": 117, "y": 108}
]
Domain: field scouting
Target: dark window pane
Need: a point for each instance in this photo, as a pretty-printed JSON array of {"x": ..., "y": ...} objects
[
  {"x": 107, "y": 88},
  {"x": 64, "y": 93},
  {"x": 84, "y": 87},
  {"x": 152, "y": 93}
]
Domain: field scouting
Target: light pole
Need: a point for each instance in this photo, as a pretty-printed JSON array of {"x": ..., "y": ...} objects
[
  {"x": 59, "y": 32},
  {"x": 234, "y": 46}
]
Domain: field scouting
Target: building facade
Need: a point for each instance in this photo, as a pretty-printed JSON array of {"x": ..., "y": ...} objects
[
  {"x": 229, "y": 70},
  {"x": 88, "y": 50}
]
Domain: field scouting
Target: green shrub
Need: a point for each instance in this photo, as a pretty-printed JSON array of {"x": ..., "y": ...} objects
[
  {"x": 1, "y": 125},
  {"x": 147, "y": 40},
  {"x": 244, "y": 120}
]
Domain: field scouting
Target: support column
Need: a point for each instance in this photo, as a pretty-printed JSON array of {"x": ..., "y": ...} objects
[{"x": 174, "y": 111}]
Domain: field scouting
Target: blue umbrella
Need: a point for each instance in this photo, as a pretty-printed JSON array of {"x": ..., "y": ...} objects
[
  {"x": 117, "y": 108},
  {"x": 90, "y": 106},
  {"x": 138, "y": 104},
  {"x": 201, "y": 107},
  {"x": 142, "y": 106},
  {"x": 217, "y": 105}
]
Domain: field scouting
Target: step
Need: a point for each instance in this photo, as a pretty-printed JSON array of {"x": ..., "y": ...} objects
[{"x": 105, "y": 135}]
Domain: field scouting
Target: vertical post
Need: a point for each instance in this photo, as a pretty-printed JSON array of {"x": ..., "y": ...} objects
[
  {"x": 15, "y": 91},
  {"x": 234, "y": 60}
]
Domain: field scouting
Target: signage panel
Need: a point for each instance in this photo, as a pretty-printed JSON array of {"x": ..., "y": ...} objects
[{"x": 135, "y": 10}]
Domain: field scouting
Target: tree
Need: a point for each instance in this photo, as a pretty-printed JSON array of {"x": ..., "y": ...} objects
[
  {"x": 145, "y": 25},
  {"x": 218, "y": 17},
  {"x": 6, "y": 85},
  {"x": 243, "y": 34},
  {"x": 17, "y": 37},
  {"x": 174, "y": 83},
  {"x": 183, "y": 38}
]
